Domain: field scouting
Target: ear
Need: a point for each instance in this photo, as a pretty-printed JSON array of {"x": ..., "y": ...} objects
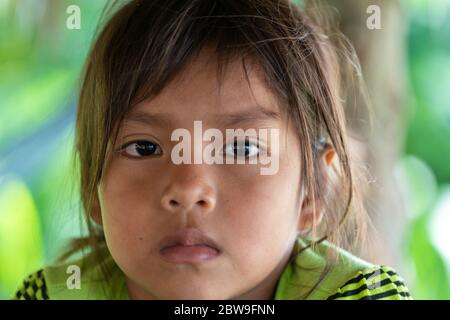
[
  {"x": 327, "y": 156},
  {"x": 312, "y": 209},
  {"x": 308, "y": 217},
  {"x": 96, "y": 213}
]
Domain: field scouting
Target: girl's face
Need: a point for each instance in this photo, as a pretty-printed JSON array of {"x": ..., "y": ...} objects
[{"x": 144, "y": 196}]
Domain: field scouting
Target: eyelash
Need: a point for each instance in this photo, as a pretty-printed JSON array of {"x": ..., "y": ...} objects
[
  {"x": 234, "y": 146},
  {"x": 245, "y": 144},
  {"x": 122, "y": 149}
]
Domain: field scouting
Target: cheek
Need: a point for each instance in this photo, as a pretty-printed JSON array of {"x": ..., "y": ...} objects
[
  {"x": 126, "y": 199},
  {"x": 261, "y": 212}
]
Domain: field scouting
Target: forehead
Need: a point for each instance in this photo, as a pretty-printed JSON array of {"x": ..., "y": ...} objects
[{"x": 199, "y": 92}]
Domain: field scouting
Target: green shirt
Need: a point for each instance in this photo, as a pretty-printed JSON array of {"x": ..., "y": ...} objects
[{"x": 349, "y": 278}]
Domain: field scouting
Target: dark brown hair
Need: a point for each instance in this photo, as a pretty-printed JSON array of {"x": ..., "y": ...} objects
[{"x": 145, "y": 44}]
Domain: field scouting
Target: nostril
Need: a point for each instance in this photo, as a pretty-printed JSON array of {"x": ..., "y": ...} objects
[
  {"x": 202, "y": 203},
  {"x": 173, "y": 203}
]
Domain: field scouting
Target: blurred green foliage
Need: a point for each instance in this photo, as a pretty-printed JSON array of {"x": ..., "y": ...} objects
[
  {"x": 40, "y": 64},
  {"x": 20, "y": 243},
  {"x": 428, "y": 146}
]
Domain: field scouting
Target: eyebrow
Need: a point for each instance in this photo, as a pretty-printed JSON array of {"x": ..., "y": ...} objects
[
  {"x": 154, "y": 120},
  {"x": 254, "y": 114}
]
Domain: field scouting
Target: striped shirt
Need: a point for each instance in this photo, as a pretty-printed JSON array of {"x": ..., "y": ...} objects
[{"x": 350, "y": 278}]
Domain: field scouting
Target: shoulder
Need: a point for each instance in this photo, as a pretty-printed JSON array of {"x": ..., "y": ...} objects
[
  {"x": 34, "y": 287},
  {"x": 314, "y": 275},
  {"x": 378, "y": 282},
  {"x": 90, "y": 276}
]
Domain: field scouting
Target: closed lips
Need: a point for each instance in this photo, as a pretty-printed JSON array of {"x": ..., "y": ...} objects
[{"x": 188, "y": 237}]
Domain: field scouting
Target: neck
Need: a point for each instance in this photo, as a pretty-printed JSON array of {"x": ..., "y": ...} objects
[{"x": 267, "y": 288}]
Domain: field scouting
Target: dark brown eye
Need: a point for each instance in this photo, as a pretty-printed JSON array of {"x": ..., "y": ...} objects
[
  {"x": 141, "y": 148},
  {"x": 243, "y": 148}
]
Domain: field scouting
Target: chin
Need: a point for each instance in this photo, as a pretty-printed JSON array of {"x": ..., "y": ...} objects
[{"x": 193, "y": 294}]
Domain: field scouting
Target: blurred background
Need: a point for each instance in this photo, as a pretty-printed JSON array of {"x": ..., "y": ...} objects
[{"x": 406, "y": 64}]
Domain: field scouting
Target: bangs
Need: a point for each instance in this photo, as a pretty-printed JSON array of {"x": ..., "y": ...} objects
[{"x": 154, "y": 40}]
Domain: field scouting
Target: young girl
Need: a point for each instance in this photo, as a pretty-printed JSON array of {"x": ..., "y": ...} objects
[{"x": 164, "y": 230}]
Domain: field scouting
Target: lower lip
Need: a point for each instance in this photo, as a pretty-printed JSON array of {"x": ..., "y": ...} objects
[{"x": 189, "y": 254}]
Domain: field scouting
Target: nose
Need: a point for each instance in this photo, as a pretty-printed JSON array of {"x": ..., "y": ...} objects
[{"x": 188, "y": 189}]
